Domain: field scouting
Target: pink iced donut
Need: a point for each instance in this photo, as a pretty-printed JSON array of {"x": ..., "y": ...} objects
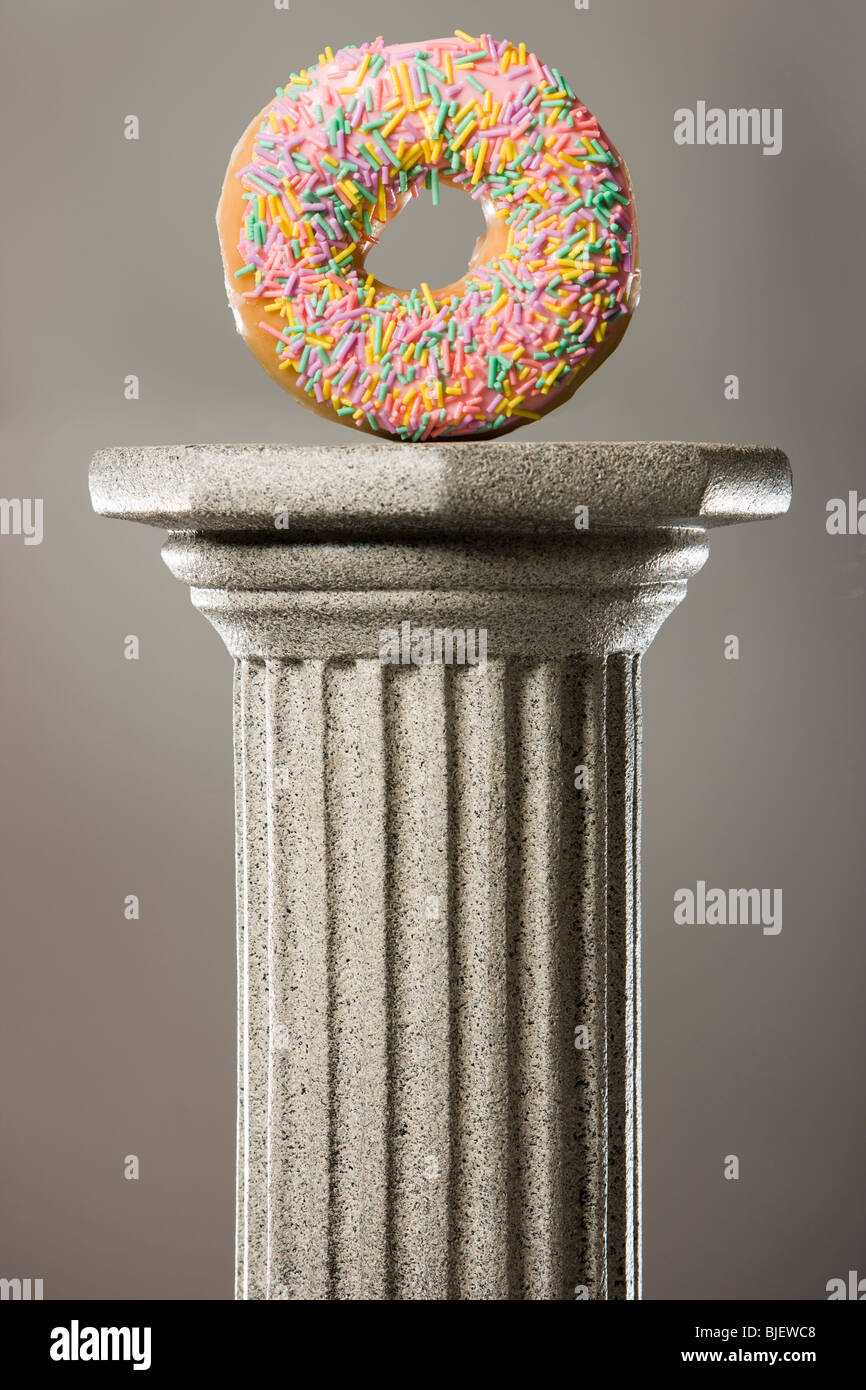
[{"x": 330, "y": 162}]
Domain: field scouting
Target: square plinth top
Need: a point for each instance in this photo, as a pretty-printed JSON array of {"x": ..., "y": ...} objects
[{"x": 460, "y": 489}]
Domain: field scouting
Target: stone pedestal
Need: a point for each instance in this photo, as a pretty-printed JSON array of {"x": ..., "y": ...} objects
[{"x": 438, "y": 860}]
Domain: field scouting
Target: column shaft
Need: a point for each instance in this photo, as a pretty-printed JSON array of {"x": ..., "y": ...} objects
[{"x": 429, "y": 908}]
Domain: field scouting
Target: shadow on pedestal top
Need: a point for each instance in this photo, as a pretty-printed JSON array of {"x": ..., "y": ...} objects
[{"x": 463, "y": 489}]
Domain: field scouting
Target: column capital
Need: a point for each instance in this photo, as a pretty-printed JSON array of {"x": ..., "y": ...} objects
[{"x": 312, "y": 552}]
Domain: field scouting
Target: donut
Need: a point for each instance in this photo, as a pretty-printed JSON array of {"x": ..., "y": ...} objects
[{"x": 331, "y": 160}]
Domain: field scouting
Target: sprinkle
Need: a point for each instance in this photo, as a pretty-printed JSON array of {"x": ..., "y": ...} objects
[
  {"x": 395, "y": 120},
  {"x": 468, "y": 127},
  {"x": 386, "y": 149},
  {"x": 479, "y": 161}
]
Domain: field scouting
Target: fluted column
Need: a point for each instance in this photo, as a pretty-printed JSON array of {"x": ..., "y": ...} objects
[
  {"x": 438, "y": 863},
  {"x": 429, "y": 910}
]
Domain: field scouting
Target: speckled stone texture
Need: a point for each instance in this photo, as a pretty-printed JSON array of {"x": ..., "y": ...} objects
[{"x": 438, "y": 864}]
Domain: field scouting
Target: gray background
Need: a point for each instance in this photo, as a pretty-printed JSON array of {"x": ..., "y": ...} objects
[{"x": 119, "y": 1037}]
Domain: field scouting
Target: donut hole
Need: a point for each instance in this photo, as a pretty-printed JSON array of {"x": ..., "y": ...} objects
[{"x": 427, "y": 243}]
